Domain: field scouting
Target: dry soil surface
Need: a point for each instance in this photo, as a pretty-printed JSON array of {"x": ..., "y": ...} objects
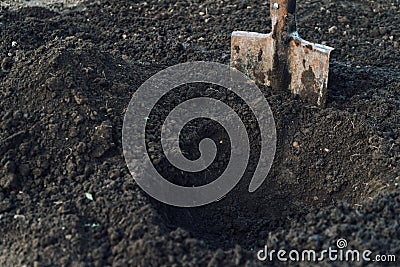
[{"x": 67, "y": 74}]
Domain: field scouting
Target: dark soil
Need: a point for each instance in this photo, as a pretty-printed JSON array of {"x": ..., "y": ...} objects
[{"x": 67, "y": 76}]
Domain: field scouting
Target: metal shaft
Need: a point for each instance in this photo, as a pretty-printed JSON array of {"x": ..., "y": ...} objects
[{"x": 283, "y": 16}]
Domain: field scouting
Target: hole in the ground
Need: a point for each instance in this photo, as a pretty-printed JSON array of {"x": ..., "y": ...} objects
[{"x": 320, "y": 160}]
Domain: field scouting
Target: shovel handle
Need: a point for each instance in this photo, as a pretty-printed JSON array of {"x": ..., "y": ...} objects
[{"x": 283, "y": 16}]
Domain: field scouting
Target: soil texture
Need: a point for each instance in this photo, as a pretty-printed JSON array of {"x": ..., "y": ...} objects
[{"x": 67, "y": 75}]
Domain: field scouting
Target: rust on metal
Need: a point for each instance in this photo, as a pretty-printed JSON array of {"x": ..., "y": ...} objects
[{"x": 281, "y": 59}]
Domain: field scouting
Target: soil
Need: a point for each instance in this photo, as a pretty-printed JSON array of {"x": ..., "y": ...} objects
[{"x": 67, "y": 75}]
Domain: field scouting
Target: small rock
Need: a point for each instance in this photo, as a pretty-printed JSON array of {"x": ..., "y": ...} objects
[
  {"x": 19, "y": 217},
  {"x": 78, "y": 119},
  {"x": 79, "y": 99},
  {"x": 396, "y": 44},
  {"x": 114, "y": 174},
  {"x": 73, "y": 132},
  {"x": 93, "y": 115},
  {"x": 102, "y": 139},
  {"x": 342, "y": 19},
  {"x": 332, "y": 29},
  {"x": 382, "y": 30},
  {"x": 296, "y": 144}
]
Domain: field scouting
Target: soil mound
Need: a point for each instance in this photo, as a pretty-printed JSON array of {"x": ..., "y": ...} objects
[{"x": 67, "y": 197}]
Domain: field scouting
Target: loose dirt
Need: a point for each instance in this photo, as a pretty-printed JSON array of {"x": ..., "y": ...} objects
[{"x": 67, "y": 75}]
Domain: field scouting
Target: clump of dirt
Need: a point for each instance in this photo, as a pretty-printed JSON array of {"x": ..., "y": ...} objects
[{"x": 66, "y": 195}]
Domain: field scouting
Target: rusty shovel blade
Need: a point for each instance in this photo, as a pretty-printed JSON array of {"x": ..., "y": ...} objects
[{"x": 281, "y": 59}]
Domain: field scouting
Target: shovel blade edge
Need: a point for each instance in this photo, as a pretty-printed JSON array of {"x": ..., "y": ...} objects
[
  {"x": 252, "y": 54},
  {"x": 309, "y": 69},
  {"x": 307, "y": 63}
]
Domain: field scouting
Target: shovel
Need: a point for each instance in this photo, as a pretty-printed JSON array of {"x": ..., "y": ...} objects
[{"x": 281, "y": 59}]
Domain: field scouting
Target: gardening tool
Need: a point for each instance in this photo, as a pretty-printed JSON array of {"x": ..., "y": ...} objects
[{"x": 281, "y": 59}]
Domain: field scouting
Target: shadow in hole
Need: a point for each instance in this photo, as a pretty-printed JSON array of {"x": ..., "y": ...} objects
[
  {"x": 289, "y": 191},
  {"x": 241, "y": 217}
]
